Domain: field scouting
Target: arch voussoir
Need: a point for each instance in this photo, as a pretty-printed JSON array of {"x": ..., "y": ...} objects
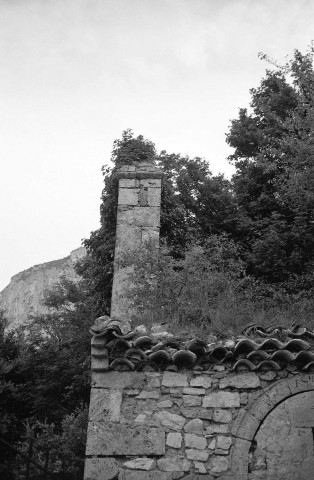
[{"x": 249, "y": 420}]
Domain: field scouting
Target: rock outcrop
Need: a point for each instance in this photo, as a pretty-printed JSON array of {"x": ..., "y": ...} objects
[{"x": 24, "y": 294}]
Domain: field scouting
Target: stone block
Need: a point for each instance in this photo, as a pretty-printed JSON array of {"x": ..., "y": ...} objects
[
  {"x": 212, "y": 443},
  {"x": 110, "y": 439},
  {"x": 165, "y": 404},
  {"x": 141, "y": 463},
  {"x": 243, "y": 380},
  {"x": 200, "y": 467},
  {"x": 222, "y": 400},
  {"x": 223, "y": 442},
  {"x": 153, "y": 197},
  {"x": 119, "y": 380},
  {"x": 195, "y": 426},
  {"x": 239, "y": 458},
  {"x": 201, "y": 381},
  {"x": 219, "y": 464},
  {"x": 139, "y": 216},
  {"x": 222, "y": 416},
  {"x": 173, "y": 464},
  {"x": 128, "y": 196},
  {"x": 174, "y": 440},
  {"x": 154, "y": 183},
  {"x": 198, "y": 455},
  {"x": 151, "y": 394},
  {"x": 217, "y": 428},
  {"x": 197, "y": 413},
  {"x": 153, "y": 382},
  {"x": 195, "y": 441},
  {"x": 193, "y": 391},
  {"x": 191, "y": 401},
  {"x": 101, "y": 469},
  {"x": 140, "y": 475},
  {"x": 105, "y": 405},
  {"x": 194, "y": 476},
  {"x": 170, "y": 420},
  {"x": 172, "y": 379},
  {"x": 245, "y": 425},
  {"x": 128, "y": 183}
]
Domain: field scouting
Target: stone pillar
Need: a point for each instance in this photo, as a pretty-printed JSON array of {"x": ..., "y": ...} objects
[{"x": 138, "y": 220}]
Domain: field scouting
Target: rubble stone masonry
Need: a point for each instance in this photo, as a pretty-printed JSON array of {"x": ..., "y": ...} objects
[{"x": 200, "y": 426}]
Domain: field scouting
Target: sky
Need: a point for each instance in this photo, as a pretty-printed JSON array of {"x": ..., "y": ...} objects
[{"x": 75, "y": 73}]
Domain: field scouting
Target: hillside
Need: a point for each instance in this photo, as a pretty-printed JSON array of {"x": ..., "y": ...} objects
[{"x": 24, "y": 294}]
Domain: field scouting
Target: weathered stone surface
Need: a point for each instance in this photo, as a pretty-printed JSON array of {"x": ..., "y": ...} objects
[
  {"x": 140, "y": 475},
  {"x": 151, "y": 394},
  {"x": 170, "y": 420},
  {"x": 195, "y": 441},
  {"x": 222, "y": 400},
  {"x": 200, "y": 467},
  {"x": 175, "y": 392},
  {"x": 128, "y": 196},
  {"x": 153, "y": 382},
  {"x": 173, "y": 464},
  {"x": 141, "y": 464},
  {"x": 284, "y": 441},
  {"x": 197, "y": 413},
  {"x": 191, "y": 401},
  {"x": 193, "y": 391},
  {"x": 217, "y": 428},
  {"x": 199, "y": 455},
  {"x": 245, "y": 425},
  {"x": 131, "y": 393},
  {"x": 121, "y": 440},
  {"x": 201, "y": 381},
  {"x": 165, "y": 404},
  {"x": 222, "y": 416},
  {"x": 218, "y": 464},
  {"x": 221, "y": 451},
  {"x": 137, "y": 216},
  {"x": 119, "y": 380},
  {"x": 243, "y": 380},
  {"x": 223, "y": 442},
  {"x": 105, "y": 405},
  {"x": 101, "y": 468},
  {"x": 25, "y": 292},
  {"x": 174, "y": 440},
  {"x": 194, "y": 476},
  {"x": 194, "y": 426},
  {"x": 244, "y": 398},
  {"x": 171, "y": 379},
  {"x": 212, "y": 443}
]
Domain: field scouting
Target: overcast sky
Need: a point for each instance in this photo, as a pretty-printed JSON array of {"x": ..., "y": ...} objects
[{"x": 76, "y": 73}]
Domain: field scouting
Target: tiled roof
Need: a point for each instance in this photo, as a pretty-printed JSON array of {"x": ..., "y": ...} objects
[{"x": 115, "y": 346}]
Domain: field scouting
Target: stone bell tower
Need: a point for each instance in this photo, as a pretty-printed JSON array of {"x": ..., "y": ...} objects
[{"x": 138, "y": 220}]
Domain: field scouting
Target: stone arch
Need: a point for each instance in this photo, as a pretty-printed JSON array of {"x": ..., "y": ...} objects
[{"x": 249, "y": 420}]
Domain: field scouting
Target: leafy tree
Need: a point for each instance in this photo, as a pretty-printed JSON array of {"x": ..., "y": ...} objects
[
  {"x": 273, "y": 183},
  {"x": 194, "y": 204}
]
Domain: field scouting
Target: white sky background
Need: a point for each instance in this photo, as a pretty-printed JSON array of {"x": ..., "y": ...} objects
[{"x": 75, "y": 73}]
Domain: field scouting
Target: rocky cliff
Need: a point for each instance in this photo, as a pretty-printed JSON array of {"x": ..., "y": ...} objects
[{"x": 25, "y": 292}]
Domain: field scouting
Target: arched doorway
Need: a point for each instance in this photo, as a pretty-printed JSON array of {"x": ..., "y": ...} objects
[{"x": 274, "y": 437}]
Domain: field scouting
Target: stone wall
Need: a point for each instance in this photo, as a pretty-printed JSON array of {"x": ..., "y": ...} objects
[{"x": 196, "y": 425}]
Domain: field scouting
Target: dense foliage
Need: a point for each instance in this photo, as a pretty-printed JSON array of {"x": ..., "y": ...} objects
[{"x": 273, "y": 184}]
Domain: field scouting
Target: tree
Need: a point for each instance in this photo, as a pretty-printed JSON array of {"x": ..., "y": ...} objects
[
  {"x": 194, "y": 204},
  {"x": 273, "y": 183}
]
